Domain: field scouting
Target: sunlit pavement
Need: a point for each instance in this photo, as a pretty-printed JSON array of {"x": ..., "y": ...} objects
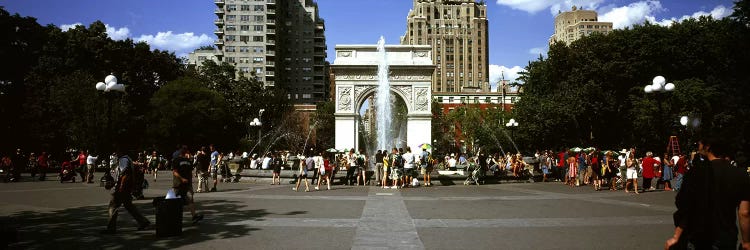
[{"x": 261, "y": 216}]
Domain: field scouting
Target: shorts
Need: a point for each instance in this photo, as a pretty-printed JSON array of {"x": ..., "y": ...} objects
[
  {"x": 277, "y": 169},
  {"x": 397, "y": 174},
  {"x": 90, "y": 168},
  {"x": 632, "y": 174},
  {"x": 409, "y": 172},
  {"x": 423, "y": 170}
]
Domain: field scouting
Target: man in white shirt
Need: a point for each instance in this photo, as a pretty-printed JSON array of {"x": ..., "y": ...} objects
[
  {"x": 452, "y": 162},
  {"x": 266, "y": 162},
  {"x": 408, "y": 166},
  {"x": 90, "y": 167}
]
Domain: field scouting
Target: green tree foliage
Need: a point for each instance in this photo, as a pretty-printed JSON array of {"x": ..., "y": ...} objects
[
  {"x": 591, "y": 92},
  {"x": 187, "y": 112},
  {"x": 326, "y": 124}
]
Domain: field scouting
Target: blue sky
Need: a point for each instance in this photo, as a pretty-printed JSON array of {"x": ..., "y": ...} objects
[{"x": 519, "y": 29}]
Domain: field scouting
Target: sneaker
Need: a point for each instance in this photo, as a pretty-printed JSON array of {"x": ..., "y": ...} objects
[
  {"x": 294, "y": 189},
  {"x": 197, "y": 218},
  {"x": 307, "y": 190},
  {"x": 317, "y": 188}
]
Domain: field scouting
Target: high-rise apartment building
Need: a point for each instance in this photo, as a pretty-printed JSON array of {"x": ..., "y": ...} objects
[
  {"x": 457, "y": 30},
  {"x": 572, "y": 25},
  {"x": 279, "y": 42}
]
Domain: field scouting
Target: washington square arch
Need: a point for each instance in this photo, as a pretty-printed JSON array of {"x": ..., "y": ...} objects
[{"x": 356, "y": 79}]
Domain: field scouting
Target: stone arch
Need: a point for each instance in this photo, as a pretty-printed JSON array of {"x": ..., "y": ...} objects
[{"x": 356, "y": 79}]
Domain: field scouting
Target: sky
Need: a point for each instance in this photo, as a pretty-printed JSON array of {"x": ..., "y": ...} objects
[{"x": 518, "y": 29}]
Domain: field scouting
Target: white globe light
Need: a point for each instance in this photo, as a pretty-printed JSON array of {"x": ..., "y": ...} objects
[
  {"x": 657, "y": 87},
  {"x": 109, "y": 86},
  {"x": 515, "y": 124},
  {"x": 659, "y": 80},
  {"x": 110, "y": 79},
  {"x": 669, "y": 86},
  {"x": 512, "y": 121},
  {"x": 684, "y": 120},
  {"x": 100, "y": 86},
  {"x": 648, "y": 89}
]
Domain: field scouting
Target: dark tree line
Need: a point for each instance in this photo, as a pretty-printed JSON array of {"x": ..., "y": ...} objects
[
  {"x": 591, "y": 92},
  {"x": 48, "y": 100}
]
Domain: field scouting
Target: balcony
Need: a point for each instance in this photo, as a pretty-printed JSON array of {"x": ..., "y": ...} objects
[
  {"x": 271, "y": 42},
  {"x": 270, "y": 21},
  {"x": 271, "y": 31},
  {"x": 219, "y": 21},
  {"x": 218, "y": 2},
  {"x": 270, "y": 53},
  {"x": 320, "y": 54},
  {"x": 269, "y": 63},
  {"x": 219, "y": 31},
  {"x": 219, "y": 11},
  {"x": 271, "y": 11},
  {"x": 269, "y": 73},
  {"x": 271, "y": 1},
  {"x": 269, "y": 83},
  {"x": 219, "y": 42}
]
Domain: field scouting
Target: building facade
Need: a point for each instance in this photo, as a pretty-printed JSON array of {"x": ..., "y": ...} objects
[
  {"x": 457, "y": 30},
  {"x": 577, "y": 23},
  {"x": 280, "y": 43}
]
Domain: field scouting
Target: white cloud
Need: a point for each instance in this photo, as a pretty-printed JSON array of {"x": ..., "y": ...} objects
[
  {"x": 499, "y": 71},
  {"x": 538, "y": 50},
  {"x": 634, "y": 13},
  {"x": 534, "y": 6},
  {"x": 181, "y": 44},
  {"x": 117, "y": 34},
  {"x": 66, "y": 27},
  {"x": 639, "y": 12},
  {"x": 178, "y": 43},
  {"x": 718, "y": 12},
  {"x": 113, "y": 32}
]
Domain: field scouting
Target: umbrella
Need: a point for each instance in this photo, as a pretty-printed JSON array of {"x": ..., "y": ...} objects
[
  {"x": 613, "y": 152},
  {"x": 332, "y": 150},
  {"x": 576, "y": 149},
  {"x": 589, "y": 149},
  {"x": 425, "y": 146}
]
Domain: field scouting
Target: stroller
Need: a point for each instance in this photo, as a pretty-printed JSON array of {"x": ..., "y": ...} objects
[
  {"x": 476, "y": 175},
  {"x": 67, "y": 172}
]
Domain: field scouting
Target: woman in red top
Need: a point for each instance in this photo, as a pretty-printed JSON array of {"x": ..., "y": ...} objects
[
  {"x": 648, "y": 170},
  {"x": 325, "y": 172}
]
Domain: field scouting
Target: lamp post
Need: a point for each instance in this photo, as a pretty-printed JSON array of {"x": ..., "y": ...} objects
[
  {"x": 658, "y": 86},
  {"x": 512, "y": 125},
  {"x": 257, "y": 123},
  {"x": 109, "y": 85}
]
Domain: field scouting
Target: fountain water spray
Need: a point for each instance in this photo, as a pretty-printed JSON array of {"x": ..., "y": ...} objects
[{"x": 383, "y": 98}]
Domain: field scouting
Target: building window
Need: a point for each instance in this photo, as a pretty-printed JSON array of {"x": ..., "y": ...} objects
[
  {"x": 258, "y": 49},
  {"x": 244, "y": 60},
  {"x": 259, "y": 18},
  {"x": 245, "y": 7},
  {"x": 450, "y": 99},
  {"x": 229, "y": 48},
  {"x": 231, "y": 18},
  {"x": 231, "y": 28},
  {"x": 257, "y": 27},
  {"x": 257, "y": 38},
  {"x": 306, "y": 96},
  {"x": 259, "y": 7},
  {"x": 230, "y": 59},
  {"x": 231, "y": 7},
  {"x": 440, "y": 99},
  {"x": 258, "y": 70},
  {"x": 245, "y": 18},
  {"x": 257, "y": 59},
  {"x": 244, "y": 27}
]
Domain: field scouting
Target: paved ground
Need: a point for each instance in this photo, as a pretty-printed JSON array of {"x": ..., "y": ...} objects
[{"x": 261, "y": 216}]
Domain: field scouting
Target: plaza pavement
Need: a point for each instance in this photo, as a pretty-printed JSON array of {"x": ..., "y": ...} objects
[{"x": 51, "y": 215}]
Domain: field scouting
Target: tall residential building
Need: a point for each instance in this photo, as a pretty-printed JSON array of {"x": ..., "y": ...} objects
[
  {"x": 572, "y": 25},
  {"x": 457, "y": 30},
  {"x": 279, "y": 42}
]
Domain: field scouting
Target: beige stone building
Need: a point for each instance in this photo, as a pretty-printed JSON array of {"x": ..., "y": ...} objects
[
  {"x": 577, "y": 23},
  {"x": 457, "y": 30},
  {"x": 279, "y": 42}
]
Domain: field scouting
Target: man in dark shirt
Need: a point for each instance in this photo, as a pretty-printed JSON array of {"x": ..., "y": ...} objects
[
  {"x": 122, "y": 196},
  {"x": 708, "y": 202},
  {"x": 182, "y": 182}
]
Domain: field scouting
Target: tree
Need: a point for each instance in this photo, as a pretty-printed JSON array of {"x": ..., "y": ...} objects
[{"x": 185, "y": 111}]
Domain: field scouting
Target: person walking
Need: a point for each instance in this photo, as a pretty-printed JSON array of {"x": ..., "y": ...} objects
[
  {"x": 305, "y": 166},
  {"x": 325, "y": 171},
  {"x": 202, "y": 163},
  {"x": 90, "y": 168},
  {"x": 648, "y": 171},
  {"x": 681, "y": 169},
  {"x": 713, "y": 200},
  {"x": 214, "y": 166},
  {"x": 409, "y": 163},
  {"x": 276, "y": 163},
  {"x": 122, "y": 196},
  {"x": 153, "y": 163},
  {"x": 424, "y": 162},
  {"x": 351, "y": 166},
  {"x": 379, "y": 166},
  {"x": 182, "y": 168}
]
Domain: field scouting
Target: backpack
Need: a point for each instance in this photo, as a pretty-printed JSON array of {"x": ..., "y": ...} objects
[
  {"x": 360, "y": 161},
  {"x": 398, "y": 162}
]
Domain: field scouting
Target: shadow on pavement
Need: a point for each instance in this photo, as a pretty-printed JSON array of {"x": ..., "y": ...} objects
[{"x": 79, "y": 228}]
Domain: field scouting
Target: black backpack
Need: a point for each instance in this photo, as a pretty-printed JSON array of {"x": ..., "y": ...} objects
[{"x": 398, "y": 161}]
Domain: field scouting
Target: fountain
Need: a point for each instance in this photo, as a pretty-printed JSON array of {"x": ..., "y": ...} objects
[{"x": 384, "y": 115}]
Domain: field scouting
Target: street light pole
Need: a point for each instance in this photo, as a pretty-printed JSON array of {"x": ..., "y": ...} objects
[
  {"x": 659, "y": 85},
  {"x": 109, "y": 85}
]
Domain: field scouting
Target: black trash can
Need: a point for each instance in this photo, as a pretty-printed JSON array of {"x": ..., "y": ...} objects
[{"x": 168, "y": 216}]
